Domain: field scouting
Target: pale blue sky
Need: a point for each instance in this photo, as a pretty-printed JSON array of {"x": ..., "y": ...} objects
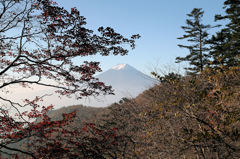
[{"x": 157, "y": 21}]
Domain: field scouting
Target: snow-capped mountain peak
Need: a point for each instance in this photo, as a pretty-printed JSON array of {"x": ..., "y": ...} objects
[{"x": 119, "y": 66}]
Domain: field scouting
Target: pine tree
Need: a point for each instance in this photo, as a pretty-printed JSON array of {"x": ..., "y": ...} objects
[
  {"x": 225, "y": 45},
  {"x": 220, "y": 50},
  {"x": 197, "y": 35}
]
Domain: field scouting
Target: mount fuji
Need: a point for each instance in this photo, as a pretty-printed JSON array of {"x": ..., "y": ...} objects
[{"x": 126, "y": 81}]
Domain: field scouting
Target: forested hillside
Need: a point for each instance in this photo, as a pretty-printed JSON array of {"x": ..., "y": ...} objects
[{"x": 187, "y": 117}]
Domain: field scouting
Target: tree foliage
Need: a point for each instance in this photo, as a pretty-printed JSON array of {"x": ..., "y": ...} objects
[
  {"x": 170, "y": 77},
  {"x": 197, "y": 35},
  {"x": 225, "y": 45},
  {"x": 39, "y": 41},
  {"x": 196, "y": 116}
]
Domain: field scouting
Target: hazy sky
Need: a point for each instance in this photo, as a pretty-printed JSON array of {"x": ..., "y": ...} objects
[{"x": 157, "y": 21}]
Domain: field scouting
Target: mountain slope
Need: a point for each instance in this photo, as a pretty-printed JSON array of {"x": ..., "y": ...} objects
[
  {"x": 126, "y": 82},
  {"x": 126, "y": 79}
]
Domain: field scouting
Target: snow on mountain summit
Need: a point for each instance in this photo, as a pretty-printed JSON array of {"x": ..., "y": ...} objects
[
  {"x": 126, "y": 81},
  {"x": 119, "y": 66}
]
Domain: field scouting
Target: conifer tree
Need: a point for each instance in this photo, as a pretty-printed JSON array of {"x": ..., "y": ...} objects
[
  {"x": 225, "y": 45},
  {"x": 195, "y": 33}
]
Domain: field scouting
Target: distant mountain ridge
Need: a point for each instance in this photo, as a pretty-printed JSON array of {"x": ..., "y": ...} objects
[
  {"x": 126, "y": 82},
  {"x": 124, "y": 79}
]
